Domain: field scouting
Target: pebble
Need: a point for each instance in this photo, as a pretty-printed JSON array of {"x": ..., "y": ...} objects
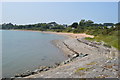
[{"x": 96, "y": 71}]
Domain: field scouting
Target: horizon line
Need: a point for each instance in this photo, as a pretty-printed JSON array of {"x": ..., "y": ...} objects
[{"x": 56, "y": 22}]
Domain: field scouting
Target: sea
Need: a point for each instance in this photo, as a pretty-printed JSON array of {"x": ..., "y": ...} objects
[{"x": 27, "y": 50}]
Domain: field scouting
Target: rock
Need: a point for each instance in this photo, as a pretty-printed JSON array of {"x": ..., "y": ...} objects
[
  {"x": 85, "y": 55},
  {"x": 17, "y": 75},
  {"x": 108, "y": 61},
  {"x": 115, "y": 68},
  {"x": 69, "y": 55},
  {"x": 46, "y": 69},
  {"x": 54, "y": 66},
  {"x": 57, "y": 64},
  {"x": 106, "y": 45},
  {"x": 66, "y": 61},
  {"x": 75, "y": 55},
  {"x": 97, "y": 43},
  {"x": 36, "y": 71},
  {"x": 27, "y": 73},
  {"x": 98, "y": 69},
  {"x": 43, "y": 68},
  {"x": 24, "y": 74},
  {"x": 12, "y": 77},
  {"x": 70, "y": 59},
  {"x": 82, "y": 55}
]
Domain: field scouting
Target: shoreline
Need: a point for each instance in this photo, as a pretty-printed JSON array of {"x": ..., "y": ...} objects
[
  {"x": 69, "y": 35},
  {"x": 58, "y": 43},
  {"x": 80, "y": 61},
  {"x": 80, "y": 53}
]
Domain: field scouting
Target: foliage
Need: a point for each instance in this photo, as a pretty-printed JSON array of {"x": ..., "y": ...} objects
[
  {"x": 111, "y": 40},
  {"x": 102, "y": 32},
  {"x": 91, "y": 63},
  {"x": 80, "y": 69},
  {"x": 74, "y": 25}
]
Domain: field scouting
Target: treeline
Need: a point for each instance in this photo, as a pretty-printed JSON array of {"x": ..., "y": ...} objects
[
  {"x": 92, "y": 28},
  {"x": 107, "y": 32},
  {"x": 39, "y": 26},
  {"x": 84, "y": 26}
]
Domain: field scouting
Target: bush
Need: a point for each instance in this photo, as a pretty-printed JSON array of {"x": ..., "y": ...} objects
[
  {"x": 76, "y": 31},
  {"x": 106, "y": 45},
  {"x": 88, "y": 38}
]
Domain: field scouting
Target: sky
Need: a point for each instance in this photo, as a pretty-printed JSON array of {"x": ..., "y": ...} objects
[
  {"x": 60, "y": 0},
  {"x": 60, "y": 12}
]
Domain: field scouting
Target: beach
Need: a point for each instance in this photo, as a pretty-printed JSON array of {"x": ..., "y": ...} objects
[
  {"x": 86, "y": 59},
  {"x": 60, "y": 39},
  {"x": 92, "y": 60},
  {"x": 70, "y": 35}
]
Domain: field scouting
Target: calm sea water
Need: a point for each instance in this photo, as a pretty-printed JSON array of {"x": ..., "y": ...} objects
[{"x": 26, "y": 50}]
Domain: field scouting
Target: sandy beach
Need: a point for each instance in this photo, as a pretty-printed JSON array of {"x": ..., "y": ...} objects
[{"x": 71, "y": 35}]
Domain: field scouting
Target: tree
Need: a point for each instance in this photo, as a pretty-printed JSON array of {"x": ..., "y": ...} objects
[
  {"x": 7, "y": 26},
  {"x": 82, "y": 22},
  {"x": 74, "y": 25},
  {"x": 105, "y": 27},
  {"x": 89, "y": 23},
  {"x": 117, "y": 26}
]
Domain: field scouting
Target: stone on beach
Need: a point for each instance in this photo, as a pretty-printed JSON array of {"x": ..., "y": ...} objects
[{"x": 78, "y": 49}]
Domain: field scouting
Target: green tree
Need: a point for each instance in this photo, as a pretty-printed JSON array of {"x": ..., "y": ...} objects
[
  {"x": 74, "y": 25},
  {"x": 82, "y": 22},
  {"x": 89, "y": 23},
  {"x": 117, "y": 26}
]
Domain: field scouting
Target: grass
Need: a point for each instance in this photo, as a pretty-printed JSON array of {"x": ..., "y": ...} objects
[
  {"x": 92, "y": 63},
  {"x": 88, "y": 38},
  {"x": 83, "y": 69},
  {"x": 110, "y": 40},
  {"x": 80, "y": 69}
]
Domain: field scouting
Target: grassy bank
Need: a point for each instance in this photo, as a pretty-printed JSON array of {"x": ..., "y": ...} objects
[{"x": 110, "y": 40}]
